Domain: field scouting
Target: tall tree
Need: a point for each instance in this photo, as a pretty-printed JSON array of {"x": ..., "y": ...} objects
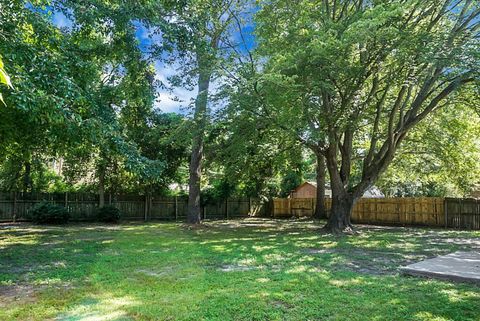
[
  {"x": 340, "y": 71},
  {"x": 40, "y": 116},
  {"x": 75, "y": 90},
  {"x": 118, "y": 83},
  {"x": 199, "y": 35}
]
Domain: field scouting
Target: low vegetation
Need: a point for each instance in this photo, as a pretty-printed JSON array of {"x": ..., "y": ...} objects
[
  {"x": 47, "y": 213},
  {"x": 253, "y": 269},
  {"x": 108, "y": 214}
]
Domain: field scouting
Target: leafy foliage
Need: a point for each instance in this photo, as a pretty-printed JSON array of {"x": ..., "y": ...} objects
[
  {"x": 350, "y": 80},
  {"x": 48, "y": 213},
  {"x": 354, "y": 81},
  {"x": 4, "y": 79},
  {"x": 80, "y": 94},
  {"x": 108, "y": 214}
]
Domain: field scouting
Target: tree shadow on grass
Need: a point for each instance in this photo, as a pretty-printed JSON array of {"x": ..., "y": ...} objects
[
  {"x": 39, "y": 262},
  {"x": 292, "y": 273},
  {"x": 245, "y": 270}
]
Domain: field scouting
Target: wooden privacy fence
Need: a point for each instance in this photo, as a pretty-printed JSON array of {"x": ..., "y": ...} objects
[
  {"x": 462, "y": 213},
  {"x": 423, "y": 211},
  {"x": 82, "y": 206}
]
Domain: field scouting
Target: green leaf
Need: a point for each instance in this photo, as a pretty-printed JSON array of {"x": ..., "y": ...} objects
[{"x": 4, "y": 78}]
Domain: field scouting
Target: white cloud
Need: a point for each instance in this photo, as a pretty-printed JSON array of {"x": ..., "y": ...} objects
[
  {"x": 172, "y": 99},
  {"x": 167, "y": 102},
  {"x": 61, "y": 21}
]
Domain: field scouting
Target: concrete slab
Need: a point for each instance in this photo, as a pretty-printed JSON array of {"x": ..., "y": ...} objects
[{"x": 458, "y": 266}]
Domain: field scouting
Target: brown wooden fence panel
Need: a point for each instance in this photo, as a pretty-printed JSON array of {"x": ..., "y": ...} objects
[
  {"x": 301, "y": 207},
  {"x": 239, "y": 207},
  {"x": 131, "y": 206},
  {"x": 422, "y": 211},
  {"x": 83, "y": 206},
  {"x": 462, "y": 213},
  {"x": 259, "y": 207},
  {"x": 281, "y": 207},
  {"x": 455, "y": 213},
  {"x": 163, "y": 208}
]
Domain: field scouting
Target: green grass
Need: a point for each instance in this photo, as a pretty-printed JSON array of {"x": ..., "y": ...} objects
[{"x": 235, "y": 270}]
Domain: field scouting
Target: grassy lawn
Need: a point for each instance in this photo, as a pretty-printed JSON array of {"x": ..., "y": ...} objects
[{"x": 237, "y": 270}]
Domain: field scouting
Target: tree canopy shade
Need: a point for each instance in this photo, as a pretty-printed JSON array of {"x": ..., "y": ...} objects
[{"x": 337, "y": 72}]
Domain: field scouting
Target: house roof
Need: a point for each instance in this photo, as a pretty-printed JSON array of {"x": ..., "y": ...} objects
[
  {"x": 314, "y": 184},
  {"x": 372, "y": 192}
]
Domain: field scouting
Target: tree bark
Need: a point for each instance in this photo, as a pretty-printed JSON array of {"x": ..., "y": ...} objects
[
  {"x": 27, "y": 177},
  {"x": 194, "y": 213},
  {"x": 101, "y": 185},
  {"x": 320, "y": 206},
  {"x": 342, "y": 201},
  {"x": 339, "y": 220}
]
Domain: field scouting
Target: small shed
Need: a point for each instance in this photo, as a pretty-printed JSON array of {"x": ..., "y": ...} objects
[{"x": 308, "y": 190}]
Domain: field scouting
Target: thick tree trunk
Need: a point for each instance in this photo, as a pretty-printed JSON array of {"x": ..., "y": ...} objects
[
  {"x": 342, "y": 200},
  {"x": 320, "y": 206},
  {"x": 339, "y": 219},
  {"x": 194, "y": 213}
]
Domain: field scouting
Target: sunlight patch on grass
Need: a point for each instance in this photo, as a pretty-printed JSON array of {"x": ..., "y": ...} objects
[
  {"x": 455, "y": 296},
  {"x": 274, "y": 257},
  {"x": 220, "y": 248},
  {"x": 347, "y": 282},
  {"x": 262, "y": 248},
  {"x": 263, "y": 280},
  {"x": 427, "y": 316},
  {"x": 104, "y": 308},
  {"x": 277, "y": 270},
  {"x": 26, "y": 239},
  {"x": 303, "y": 269}
]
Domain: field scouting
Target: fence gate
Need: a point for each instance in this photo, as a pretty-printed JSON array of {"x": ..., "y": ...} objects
[{"x": 462, "y": 213}]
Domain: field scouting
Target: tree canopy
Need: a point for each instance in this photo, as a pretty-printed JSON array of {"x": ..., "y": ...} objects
[{"x": 347, "y": 93}]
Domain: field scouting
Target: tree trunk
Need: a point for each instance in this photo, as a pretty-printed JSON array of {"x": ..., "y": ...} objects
[
  {"x": 27, "y": 177},
  {"x": 342, "y": 200},
  {"x": 339, "y": 220},
  {"x": 101, "y": 185},
  {"x": 320, "y": 207},
  {"x": 200, "y": 118}
]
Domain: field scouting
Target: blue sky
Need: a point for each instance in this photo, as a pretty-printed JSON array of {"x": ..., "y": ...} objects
[
  {"x": 176, "y": 99},
  {"x": 167, "y": 99}
]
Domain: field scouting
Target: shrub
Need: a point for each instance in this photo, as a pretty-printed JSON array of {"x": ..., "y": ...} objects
[
  {"x": 108, "y": 214},
  {"x": 47, "y": 213}
]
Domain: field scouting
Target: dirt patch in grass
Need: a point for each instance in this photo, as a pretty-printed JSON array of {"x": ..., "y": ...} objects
[
  {"x": 24, "y": 293},
  {"x": 236, "y": 268},
  {"x": 280, "y": 304},
  {"x": 318, "y": 251},
  {"x": 17, "y": 294},
  {"x": 157, "y": 273}
]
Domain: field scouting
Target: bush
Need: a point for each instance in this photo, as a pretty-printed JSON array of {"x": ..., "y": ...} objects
[
  {"x": 108, "y": 214},
  {"x": 47, "y": 213}
]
